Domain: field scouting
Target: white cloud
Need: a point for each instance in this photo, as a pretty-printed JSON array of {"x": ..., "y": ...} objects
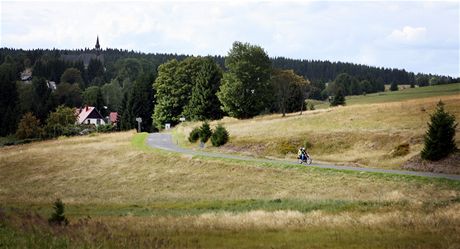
[
  {"x": 389, "y": 34},
  {"x": 408, "y": 34}
]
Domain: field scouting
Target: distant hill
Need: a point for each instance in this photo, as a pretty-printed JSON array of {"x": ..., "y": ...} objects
[{"x": 314, "y": 70}]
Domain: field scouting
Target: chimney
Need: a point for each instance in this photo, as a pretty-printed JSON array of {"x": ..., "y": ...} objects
[{"x": 86, "y": 108}]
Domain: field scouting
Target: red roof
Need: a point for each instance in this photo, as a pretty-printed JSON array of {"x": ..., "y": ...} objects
[{"x": 113, "y": 117}]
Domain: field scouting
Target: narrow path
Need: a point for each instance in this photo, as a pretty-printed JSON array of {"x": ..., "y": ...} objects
[{"x": 164, "y": 141}]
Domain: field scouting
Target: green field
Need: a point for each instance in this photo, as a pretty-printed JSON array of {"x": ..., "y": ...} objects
[
  {"x": 120, "y": 193},
  {"x": 401, "y": 95},
  {"x": 367, "y": 132}
]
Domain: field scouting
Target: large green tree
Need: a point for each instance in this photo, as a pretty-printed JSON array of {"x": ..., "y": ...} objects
[
  {"x": 9, "y": 108},
  {"x": 290, "y": 91},
  {"x": 173, "y": 88},
  {"x": 246, "y": 89},
  {"x": 113, "y": 94},
  {"x": 73, "y": 76},
  {"x": 203, "y": 103},
  {"x": 68, "y": 94},
  {"x": 92, "y": 96}
]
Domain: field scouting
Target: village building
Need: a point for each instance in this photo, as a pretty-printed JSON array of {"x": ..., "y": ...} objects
[{"x": 89, "y": 115}]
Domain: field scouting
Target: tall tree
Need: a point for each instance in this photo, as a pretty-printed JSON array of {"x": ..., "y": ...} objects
[
  {"x": 9, "y": 111},
  {"x": 68, "y": 95},
  {"x": 142, "y": 102},
  {"x": 173, "y": 89},
  {"x": 204, "y": 103},
  {"x": 112, "y": 94},
  {"x": 95, "y": 69},
  {"x": 290, "y": 91},
  {"x": 42, "y": 99},
  {"x": 73, "y": 76},
  {"x": 245, "y": 90},
  {"x": 124, "y": 116},
  {"x": 92, "y": 96}
]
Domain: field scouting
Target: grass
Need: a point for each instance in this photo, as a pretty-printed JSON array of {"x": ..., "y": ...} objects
[
  {"x": 120, "y": 193},
  {"x": 363, "y": 133},
  {"x": 140, "y": 197}
]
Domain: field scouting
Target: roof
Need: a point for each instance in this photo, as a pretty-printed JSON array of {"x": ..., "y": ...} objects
[
  {"x": 88, "y": 112},
  {"x": 113, "y": 117}
]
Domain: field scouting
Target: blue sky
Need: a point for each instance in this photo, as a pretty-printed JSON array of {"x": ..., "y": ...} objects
[{"x": 419, "y": 36}]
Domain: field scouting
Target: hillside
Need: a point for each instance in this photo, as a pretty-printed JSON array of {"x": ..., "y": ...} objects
[
  {"x": 119, "y": 193},
  {"x": 366, "y": 132}
]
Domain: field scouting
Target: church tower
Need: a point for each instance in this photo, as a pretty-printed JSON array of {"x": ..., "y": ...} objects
[{"x": 98, "y": 47}]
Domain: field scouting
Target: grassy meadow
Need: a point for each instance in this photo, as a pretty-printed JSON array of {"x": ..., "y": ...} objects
[
  {"x": 366, "y": 132},
  {"x": 121, "y": 194}
]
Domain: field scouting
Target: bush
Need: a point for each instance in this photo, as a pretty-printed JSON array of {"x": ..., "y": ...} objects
[
  {"x": 401, "y": 150},
  {"x": 219, "y": 136},
  {"x": 338, "y": 99},
  {"x": 105, "y": 128},
  {"x": 394, "y": 87},
  {"x": 58, "y": 217},
  {"x": 440, "y": 137},
  {"x": 205, "y": 132},
  {"x": 194, "y": 135},
  {"x": 29, "y": 127}
]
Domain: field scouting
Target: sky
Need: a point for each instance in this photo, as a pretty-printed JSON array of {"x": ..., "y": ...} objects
[{"x": 418, "y": 36}]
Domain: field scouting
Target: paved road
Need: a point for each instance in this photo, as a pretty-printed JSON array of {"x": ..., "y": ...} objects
[{"x": 164, "y": 141}]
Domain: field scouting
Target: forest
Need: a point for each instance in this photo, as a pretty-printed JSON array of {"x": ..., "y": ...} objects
[{"x": 163, "y": 88}]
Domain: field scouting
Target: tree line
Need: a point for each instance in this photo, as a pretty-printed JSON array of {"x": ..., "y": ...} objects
[{"x": 163, "y": 88}]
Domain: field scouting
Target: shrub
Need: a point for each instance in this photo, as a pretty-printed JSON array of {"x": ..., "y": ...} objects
[
  {"x": 29, "y": 127},
  {"x": 61, "y": 122},
  {"x": 440, "y": 137},
  {"x": 194, "y": 135},
  {"x": 58, "y": 217},
  {"x": 219, "y": 136},
  {"x": 401, "y": 150},
  {"x": 205, "y": 132},
  {"x": 394, "y": 87},
  {"x": 105, "y": 128},
  {"x": 338, "y": 99}
]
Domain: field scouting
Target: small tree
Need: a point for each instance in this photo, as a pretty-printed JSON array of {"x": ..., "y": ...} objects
[
  {"x": 440, "y": 137},
  {"x": 205, "y": 132},
  {"x": 194, "y": 135},
  {"x": 394, "y": 87},
  {"x": 61, "y": 122},
  {"x": 219, "y": 136},
  {"x": 29, "y": 127},
  {"x": 339, "y": 98},
  {"x": 58, "y": 217}
]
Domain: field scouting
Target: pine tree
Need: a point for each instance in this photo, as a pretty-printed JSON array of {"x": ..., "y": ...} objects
[
  {"x": 58, "y": 217},
  {"x": 204, "y": 103},
  {"x": 205, "y": 132},
  {"x": 440, "y": 137}
]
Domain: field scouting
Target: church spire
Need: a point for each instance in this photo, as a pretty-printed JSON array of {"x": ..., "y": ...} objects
[{"x": 97, "y": 43}]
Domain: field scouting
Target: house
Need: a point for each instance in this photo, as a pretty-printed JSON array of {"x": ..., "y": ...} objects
[
  {"x": 51, "y": 85},
  {"x": 113, "y": 118},
  {"x": 89, "y": 115}
]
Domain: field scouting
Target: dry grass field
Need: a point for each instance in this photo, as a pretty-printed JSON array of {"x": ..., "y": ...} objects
[
  {"x": 137, "y": 197},
  {"x": 362, "y": 134}
]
